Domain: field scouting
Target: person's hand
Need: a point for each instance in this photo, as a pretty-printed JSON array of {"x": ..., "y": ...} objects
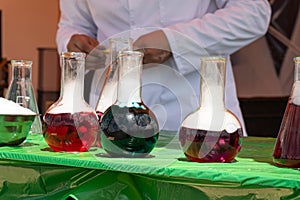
[
  {"x": 155, "y": 47},
  {"x": 96, "y": 57},
  {"x": 82, "y": 43}
]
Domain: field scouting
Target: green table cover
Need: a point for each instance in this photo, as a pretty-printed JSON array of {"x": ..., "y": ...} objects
[{"x": 33, "y": 171}]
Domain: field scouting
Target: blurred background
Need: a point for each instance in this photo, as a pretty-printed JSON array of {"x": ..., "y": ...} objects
[
  {"x": 28, "y": 30},
  {"x": 263, "y": 70}
]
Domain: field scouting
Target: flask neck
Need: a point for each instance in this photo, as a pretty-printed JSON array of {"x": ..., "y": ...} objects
[
  {"x": 297, "y": 69},
  {"x": 116, "y": 45},
  {"x": 21, "y": 70},
  {"x": 212, "y": 83},
  {"x": 109, "y": 88},
  {"x": 129, "y": 85},
  {"x": 20, "y": 89},
  {"x": 72, "y": 75},
  {"x": 295, "y": 94}
]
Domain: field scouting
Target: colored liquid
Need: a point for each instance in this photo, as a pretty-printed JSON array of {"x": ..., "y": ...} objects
[
  {"x": 70, "y": 132},
  {"x": 14, "y": 142},
  {"x": 99, "y": 114},
  {"x": 287, "y": 148},
  {"x": 210, "y": 146},
  {"x": 128, "y": 131},
  {"x": 98, "y": 139},
  {"x": 14, "y": 129}
]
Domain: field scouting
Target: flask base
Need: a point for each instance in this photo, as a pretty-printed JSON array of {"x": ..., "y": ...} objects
[
  {"x": 210, "y": 146},
  {"x": 288, "y": 163}
]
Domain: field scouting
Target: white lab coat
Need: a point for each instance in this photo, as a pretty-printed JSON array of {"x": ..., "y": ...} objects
[{"x": 194, "y": 28}]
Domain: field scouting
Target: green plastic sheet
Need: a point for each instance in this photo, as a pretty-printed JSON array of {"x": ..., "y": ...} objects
[{"x": 33, "y": 171}]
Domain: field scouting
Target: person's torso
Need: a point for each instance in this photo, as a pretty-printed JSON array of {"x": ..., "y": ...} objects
[
  {"x": 115, "y": 16},
  {"x": 133, "y": 18}
]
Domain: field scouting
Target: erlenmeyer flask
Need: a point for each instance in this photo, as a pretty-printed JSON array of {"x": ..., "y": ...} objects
[
  {"x": 129, "y": 127},
  {"x": 211, "y": 133},
  {"x": 108, "y": 93},
  {"x": 71, "y": 124},
  {"x": 287, "y": 147},
  {"x": 21, "y": 90}
]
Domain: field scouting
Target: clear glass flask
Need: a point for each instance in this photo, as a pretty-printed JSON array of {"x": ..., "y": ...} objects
[
  {"x": 21, "y": 90},
  {"x": 211, "y": 133},
  {"x": 287, "y": 147},
  {"x": 129, "y": 127},
  {"x": 108, "y": 93},
  {"x": 71, "y": 124}
]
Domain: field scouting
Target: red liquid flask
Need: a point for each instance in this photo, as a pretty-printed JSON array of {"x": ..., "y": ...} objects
[
  {"x": 211, "y": 133},
  {"x": 287, "y": 147},
  {"x": 71, "y": 125},
  {"x": 128, "y": 127}
]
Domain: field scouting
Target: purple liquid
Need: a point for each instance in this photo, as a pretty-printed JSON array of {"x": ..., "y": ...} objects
[
  {"x": 70, "y": 132},
  {"x": 287, "y": 148},
  {"x": 215, "y": 146}
]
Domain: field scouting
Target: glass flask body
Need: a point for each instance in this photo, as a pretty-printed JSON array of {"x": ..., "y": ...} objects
[
  {"x": 21, "y": 90},
  {"x": 211, "y": 133},
  {"x": 287, "y": 147},
  {"x": 71, "y": 125},
  {"x": 129, "y": 127},
  {"x": 108, "y": 93}
]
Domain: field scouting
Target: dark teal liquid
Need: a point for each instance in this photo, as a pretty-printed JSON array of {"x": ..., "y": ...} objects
[{"x": 128, "y": 131}]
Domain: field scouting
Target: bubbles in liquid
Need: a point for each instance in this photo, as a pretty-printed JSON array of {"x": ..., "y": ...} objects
[
  {"x": 210, "y": 146},
  {"x": 128, "y": 131},
  {"x": 71, "y": 132}
]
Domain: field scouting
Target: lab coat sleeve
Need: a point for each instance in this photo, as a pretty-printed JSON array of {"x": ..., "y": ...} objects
[
  {"x": 75, "y": 19},
  {"x": 236, "y": 24}
]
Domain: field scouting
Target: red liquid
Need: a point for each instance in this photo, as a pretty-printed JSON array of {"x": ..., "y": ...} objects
[
  {"x": 287, "y": 147},
  {"x": 71, "y": 132},
  {"x": 98, "y": 139},
  {"x": 99, "y": 114},
  {"x": 215, "y": 146}
]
